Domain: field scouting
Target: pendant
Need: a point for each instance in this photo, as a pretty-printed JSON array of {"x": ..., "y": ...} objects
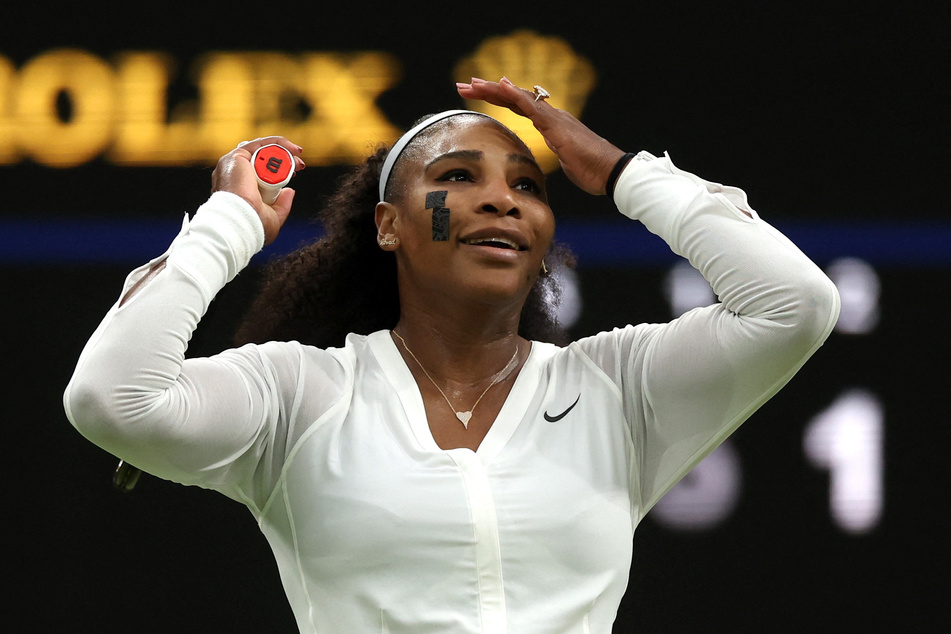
[{"x": 464, "y": 418}]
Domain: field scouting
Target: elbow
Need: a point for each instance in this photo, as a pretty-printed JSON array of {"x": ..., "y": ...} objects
[
  {"x": 818, "y": 310},
  {"x": 90, "y": 411},
  {"x": 100, "y": 413}
]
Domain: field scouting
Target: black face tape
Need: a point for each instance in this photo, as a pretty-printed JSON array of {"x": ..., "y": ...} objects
[
  {"x": 437, "y": 201},
  {"x": 434, "y": 200},
  {"x": 440, "y": 224}
]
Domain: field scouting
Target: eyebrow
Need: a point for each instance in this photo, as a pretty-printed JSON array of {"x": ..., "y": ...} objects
[
  {"x": 469, "y": 155},
  {"x": 477, "y": 155},
  {"x": 527, "y": 160}
]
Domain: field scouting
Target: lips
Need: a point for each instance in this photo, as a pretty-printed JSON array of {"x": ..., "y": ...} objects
[
  {"x": 496, "y": 241},
  {"x": 499, "y": 239}
]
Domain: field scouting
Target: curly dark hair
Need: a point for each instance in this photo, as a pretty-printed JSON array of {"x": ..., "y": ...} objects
[{"x": 344, "y": 283}]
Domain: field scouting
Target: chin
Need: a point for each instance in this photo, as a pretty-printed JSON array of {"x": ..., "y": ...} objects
[{"x": 502, "y": 288}]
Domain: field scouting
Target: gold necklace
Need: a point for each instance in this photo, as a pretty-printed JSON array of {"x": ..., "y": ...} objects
[{"x": 463, "y": 416}]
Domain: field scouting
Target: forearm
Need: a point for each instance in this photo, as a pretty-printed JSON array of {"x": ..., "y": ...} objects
[{"x": 754, "y": 270}]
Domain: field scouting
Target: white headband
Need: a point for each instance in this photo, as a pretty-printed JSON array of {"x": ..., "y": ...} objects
[{"x": 404, "y": 140}]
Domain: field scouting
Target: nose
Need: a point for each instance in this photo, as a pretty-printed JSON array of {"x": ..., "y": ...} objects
[{"x": 500, "y": 200}]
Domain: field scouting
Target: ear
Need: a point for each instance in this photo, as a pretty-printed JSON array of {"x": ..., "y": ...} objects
[{"x": 387, "y": 225}]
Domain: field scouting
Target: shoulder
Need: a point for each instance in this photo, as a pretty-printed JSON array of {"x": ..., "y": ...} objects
[
  {"x": 292, "y": 362},
  {"x": 621, "y": 340},
  {"x": 609, "y": 343},
  {"x": 607, "y": 355}
]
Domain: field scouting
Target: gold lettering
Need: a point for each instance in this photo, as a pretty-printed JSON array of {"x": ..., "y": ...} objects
[
  {"x": 278, "y": 99},
  {"x": 226, "y": 83},
  {"x": 67, "y": 106},
  {"x": 8, "y": 152},
  {"x": 86, "y": 84},
  {"x": 144, "y": 136},
  {"x": 345, "y": 122},
  {"x": 323, "y": 101}
]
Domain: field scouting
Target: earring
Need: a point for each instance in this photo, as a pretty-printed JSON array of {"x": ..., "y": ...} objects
[
  {"x": 388, "y": 240},
  {"x": 544, "y": 268}
]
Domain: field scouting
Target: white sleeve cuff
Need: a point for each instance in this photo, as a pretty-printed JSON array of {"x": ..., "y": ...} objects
[
  {"x": 659, "y": 194},
  {"x": 218, "y": 242}
]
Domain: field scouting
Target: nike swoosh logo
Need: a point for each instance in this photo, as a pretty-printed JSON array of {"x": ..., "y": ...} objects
[{"x": 555, "y": 419}]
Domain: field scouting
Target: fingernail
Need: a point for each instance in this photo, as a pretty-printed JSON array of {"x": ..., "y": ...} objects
[
  {"x": 506, "y": 80},
  {"x": 476, "y": 80},
  {"x": 462, "y": 85}
]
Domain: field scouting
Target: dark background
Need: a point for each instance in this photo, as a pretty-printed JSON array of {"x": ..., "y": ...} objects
[{"x": 833, "y": 117}]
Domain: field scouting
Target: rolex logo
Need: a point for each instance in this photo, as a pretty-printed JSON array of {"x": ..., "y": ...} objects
[{"x": 529, "y": 59}]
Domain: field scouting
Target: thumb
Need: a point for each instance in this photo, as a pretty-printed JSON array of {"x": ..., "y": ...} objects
[
  {"x": 282, "y": 206},
  {"x": 280, "y": 209}
]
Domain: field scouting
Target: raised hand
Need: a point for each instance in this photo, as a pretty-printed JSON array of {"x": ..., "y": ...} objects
[
  {"x": 235, "y": 174},
  {"x": 585, "y": 157}
]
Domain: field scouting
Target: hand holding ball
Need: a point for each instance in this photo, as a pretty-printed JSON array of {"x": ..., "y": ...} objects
[{"x": 273, "y": 167}]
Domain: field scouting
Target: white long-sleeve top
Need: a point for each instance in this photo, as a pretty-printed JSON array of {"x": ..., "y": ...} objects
[{"x": 377, "y": 529}]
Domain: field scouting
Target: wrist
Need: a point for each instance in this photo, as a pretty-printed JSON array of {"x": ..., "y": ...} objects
[{"x": 616, "y": 173}]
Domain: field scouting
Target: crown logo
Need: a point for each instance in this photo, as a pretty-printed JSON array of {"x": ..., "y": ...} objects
[{"x": 529, "y": 59}]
